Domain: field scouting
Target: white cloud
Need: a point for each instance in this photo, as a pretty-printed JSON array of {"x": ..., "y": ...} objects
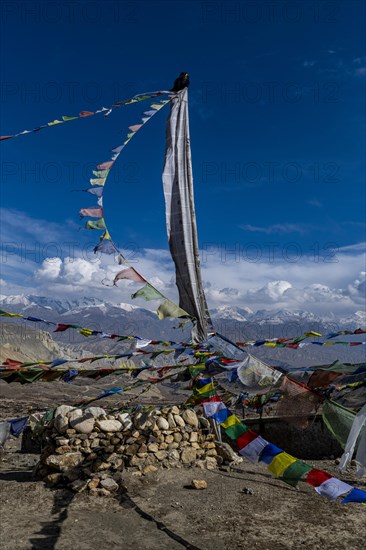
[
  {"x": 278, "y": 228},
  {"x": 50, "y": 269},
  {"x": 317, "y": 283}
]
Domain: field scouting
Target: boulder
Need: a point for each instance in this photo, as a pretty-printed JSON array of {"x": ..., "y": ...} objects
[
  {"x": 188, "y": 455},
  {"x": 83, "y": 424},
  {"x": 62, "y": 410},
  {"x": 109, "y": 425},
  {"x": 61, "y": 423},
  {"x": 72, "y": 415},
  {"x": 162, "y": 423},
  {"x": 179, "y": 420},
  {"x": 109, "y": 484},
  {"x": 190, "y": 418},
  {"x": 64, "y": 462},
  {"x": 95, "y": 411}
]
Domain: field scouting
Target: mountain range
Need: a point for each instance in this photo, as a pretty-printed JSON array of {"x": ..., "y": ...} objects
[{"x": 235, "y": 322}]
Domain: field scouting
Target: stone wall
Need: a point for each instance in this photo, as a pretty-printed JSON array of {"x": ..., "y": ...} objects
[{"x": 88, "y": 449}]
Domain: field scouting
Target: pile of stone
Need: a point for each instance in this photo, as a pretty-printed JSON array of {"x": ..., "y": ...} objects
[{"x": 88, "y": 449}]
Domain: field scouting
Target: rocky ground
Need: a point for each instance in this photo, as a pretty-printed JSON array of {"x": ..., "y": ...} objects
[{"x": 242, "y": 506}]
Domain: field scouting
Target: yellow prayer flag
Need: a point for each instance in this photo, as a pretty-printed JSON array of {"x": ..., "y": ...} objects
[
  {"x": 86, "y": 331},
  {"x": 54, "y": 122},
  {"x": 280, "y": 463},
  {"x": 204, "y": 389},
  {"x": 230, "y": 421}
]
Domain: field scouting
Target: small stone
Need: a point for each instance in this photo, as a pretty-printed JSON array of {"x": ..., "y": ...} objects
[
  {"x": 53, "y": 479},
  {"x": 63, "y": 449},
  {"x": 226, "y": 452},
  {"x": 115, "y": 460},
  {"x": 171, "y": 421},
  {"x": 78, "y": 486},
  {"x": 61, "y": 441},
  {"x": 61, "y": 424},
  {"x": 163, "y": 446},
  {"x": 149, "y": 469},
  {"x": 179, "y": 420},
  {"x": 204, "y": 422},
  {"x": 174, "y": 410},
  {"x": 160, "y": 455},
  {"x": 102, "y": 466},
  {"x": 169, "y": 439},
  {"x": 153, "y": 447},
  {"x": 132, "y": 449},
  {"x": 125, "y": 420},
  {"x": 109, "y": 484},
  {"x": 103, "y": 492},
  {"x": 199, "y": 484},
  {"x": 177, "y": 437},
  {"x": 93, "y": 483},
  {"x": 247, "y": 491},
  {"x": 212, "y": 452},
  {"x": 162, "y": 423},
  {"x": 210, "y": 463},
  {"x": 173, "y": 455},
  {"x": 194, "y": 437}
]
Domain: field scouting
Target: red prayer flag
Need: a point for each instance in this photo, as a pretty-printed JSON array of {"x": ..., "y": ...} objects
[
  {"x": 12, "y": 363},
  {"x": 317, "y": 477},
  {"x": 246, "y": 438},
  {"x": 61, "y": 327}
]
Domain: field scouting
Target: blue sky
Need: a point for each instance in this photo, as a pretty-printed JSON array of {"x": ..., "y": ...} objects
[{"x": 277, "y": 120}]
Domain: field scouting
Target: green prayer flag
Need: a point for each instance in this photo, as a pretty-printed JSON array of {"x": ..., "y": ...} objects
[
  {"x": 96, "y": 224},
  {"x": 236, "y": 431},
  {"x": 8, "y": 314},
  {"x": 67, "y": 118},
  {"x": 295, "y": 472},
  {"x": 338, "y": 420},
  {"x": 148, "y": 293},
  {"x": 169, "y": 309}
]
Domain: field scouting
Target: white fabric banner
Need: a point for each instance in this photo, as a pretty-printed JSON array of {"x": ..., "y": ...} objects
[
  {"x": 254, "y": 449},
  {"x": 181, "y": 217},
  {"x": 333, "y": 488},
  {"x": 256, "y": 375},
  {"x": 358, "y": 424}
]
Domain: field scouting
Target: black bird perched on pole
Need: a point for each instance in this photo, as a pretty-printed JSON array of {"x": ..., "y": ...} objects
[{"x": 181, "y": 82}]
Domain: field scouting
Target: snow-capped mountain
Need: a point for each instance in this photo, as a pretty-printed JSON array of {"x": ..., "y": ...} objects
[{"x": 233, "y": 321}]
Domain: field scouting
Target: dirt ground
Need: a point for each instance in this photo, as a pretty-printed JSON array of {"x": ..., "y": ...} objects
[{"x": 160, "y": 511}]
